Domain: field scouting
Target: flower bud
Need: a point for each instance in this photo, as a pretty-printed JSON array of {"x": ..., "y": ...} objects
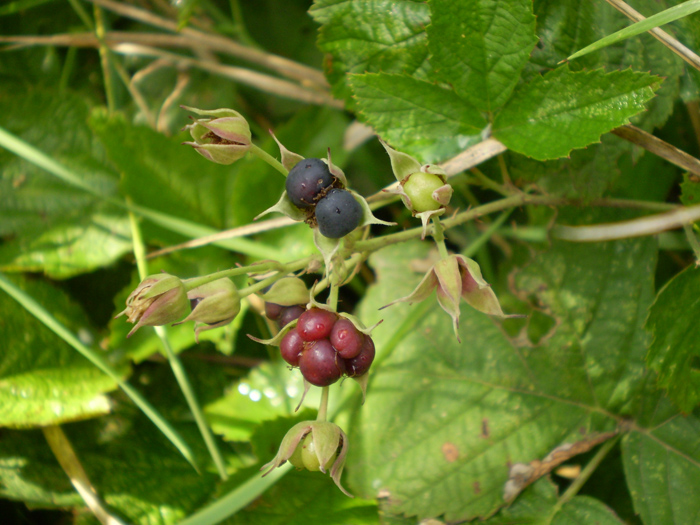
[
  {"x": 213, "y": 305},
  {"x": 159, "y": 299},
  {"x": 313, "y": 445},
  {"x": 453, "y": 278},
  {"x": 423, "y": 189},
  {"x": 223, "y": 139}
]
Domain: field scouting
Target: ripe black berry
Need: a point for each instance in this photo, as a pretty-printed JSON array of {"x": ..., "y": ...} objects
[
  {"x": 289, "y": 313},
  {"x": 315, "y": 324},
  {"x": 291, "y": 347},
  {"x": 338, "y": 213},
  {"x": 319, "y": 363},
  {"x": 360, "y": 364},
  {"x": 306, "y": 180},
  {"x": 346, "y": 339}
]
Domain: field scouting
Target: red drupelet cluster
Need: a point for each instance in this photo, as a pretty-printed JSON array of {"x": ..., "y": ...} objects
[{"x": 325, "y": 347}]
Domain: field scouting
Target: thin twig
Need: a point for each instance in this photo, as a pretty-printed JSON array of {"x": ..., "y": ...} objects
[
  {"x": 281, "y": 65},
  {"x": 662, "y": 36},
  {"x": 634, "y": 228},
  {"x": 66, "y": 457},
  {"x": 270, "y": 84},
  {"x": 658, "y": 147},
  {"x": 242, "y": 231}
]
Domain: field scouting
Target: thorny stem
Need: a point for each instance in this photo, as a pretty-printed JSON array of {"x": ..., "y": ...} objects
[
  {"x": 265, "y": 156},
  {"x": 439, "y": 237}
]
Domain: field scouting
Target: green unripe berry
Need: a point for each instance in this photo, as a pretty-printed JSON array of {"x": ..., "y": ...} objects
[
  {"x": 420, "y": 187},
  {"x": 304, "y": 456}
]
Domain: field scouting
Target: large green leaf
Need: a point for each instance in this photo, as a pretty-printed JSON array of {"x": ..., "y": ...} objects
[
  {"x": 307, "y": 498},
  {"x": 536, "y": 507},
  {"x": 77, "y": 246},
  {"x": 443, "y": 421},
  {"x": 566, "y": 27},
  {"x": 418, "y": 117},
  {"x": 56, "y": 229},
  {"x": 43, "y": 381},
  {"x": 480, "y": 47},
  {"x": 563, "y": 110},
  {"x": 371, "y": 36},
  {"x": 662, "y": 464},
  {"x": 268, "y": 392},
  {"x": 675, "y": 351}
]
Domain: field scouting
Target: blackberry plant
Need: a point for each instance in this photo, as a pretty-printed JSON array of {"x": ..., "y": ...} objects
[{"x": 511, "y": 281}]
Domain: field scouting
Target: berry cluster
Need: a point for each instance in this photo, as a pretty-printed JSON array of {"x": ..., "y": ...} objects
[
  {"x": 283, "y": 314},
  {"x": 311, "y": 187},
  {"x": 325, "y": 347}
]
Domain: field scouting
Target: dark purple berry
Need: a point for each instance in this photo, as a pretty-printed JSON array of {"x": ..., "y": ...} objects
[
  {"x": 315, "y": 324},
  {"x": 273, "y": 311},
  {"x": 289, "y": 313},
  {"x": 319, "y": 363},
  {"x": 291, "y": 347},
  {"x": 346, "y": 339},
  {"x": 359, "y": 365},
  {"x": 306, "y": 181},
  {"x": 338, "y": 213}
]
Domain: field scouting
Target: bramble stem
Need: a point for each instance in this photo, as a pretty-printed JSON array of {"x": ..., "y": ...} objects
[
  {"x": 439, "y": 237},
  {"x": 253, "y": 268},
  {"x": 265, "y": 156},
  {"x": 323, "y": 407}
]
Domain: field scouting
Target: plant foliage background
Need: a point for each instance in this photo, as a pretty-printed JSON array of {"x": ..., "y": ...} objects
[{"x": 602, "y": 374}]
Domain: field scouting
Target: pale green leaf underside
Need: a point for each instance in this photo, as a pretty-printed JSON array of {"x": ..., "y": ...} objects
[
  {"x": 562, "y": 110},
  {"x": 42, "y": 380},
  {"x": 673, "y": 320},
  {"x": 66, "y": 250},
  {"x": 443, "y": 421},
  {"x": 480, "y": 47},
  {"x": 415, "y": 116}
]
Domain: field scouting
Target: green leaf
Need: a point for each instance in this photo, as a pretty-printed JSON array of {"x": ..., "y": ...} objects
[
  {"x": 659, "y": 19},
  {"x": 267, "y": 393},
  {"x": 480, "y": 47},
  {"x": 136, "y": 473},
  {"x": 563, "y": 110},
  {"x": 675, "y": 351},
  {"x": 307, "y": 498},
  {"x": 75, "y": 247},
  {"x": 443, "y": 419},
  {"x": 536, "y": 506},
  {"x": 690, "y": 190},
  {"x": 662, "y": 465},
  {"x": 43, "y": 381},
  {"x": 370, "y": 36},
  {"x": 566, "y": 27},
  {"x": 418, "y": 117}
]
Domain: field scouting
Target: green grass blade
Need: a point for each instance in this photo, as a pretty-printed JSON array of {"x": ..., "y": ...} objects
[
  {"x": 178, "y": 370},
  {"x": 659, "y": 19},
  {"x": 184, "y": 227},
  {"x": 235, "y": 500},
  {"x": 43, "y": 315}
]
